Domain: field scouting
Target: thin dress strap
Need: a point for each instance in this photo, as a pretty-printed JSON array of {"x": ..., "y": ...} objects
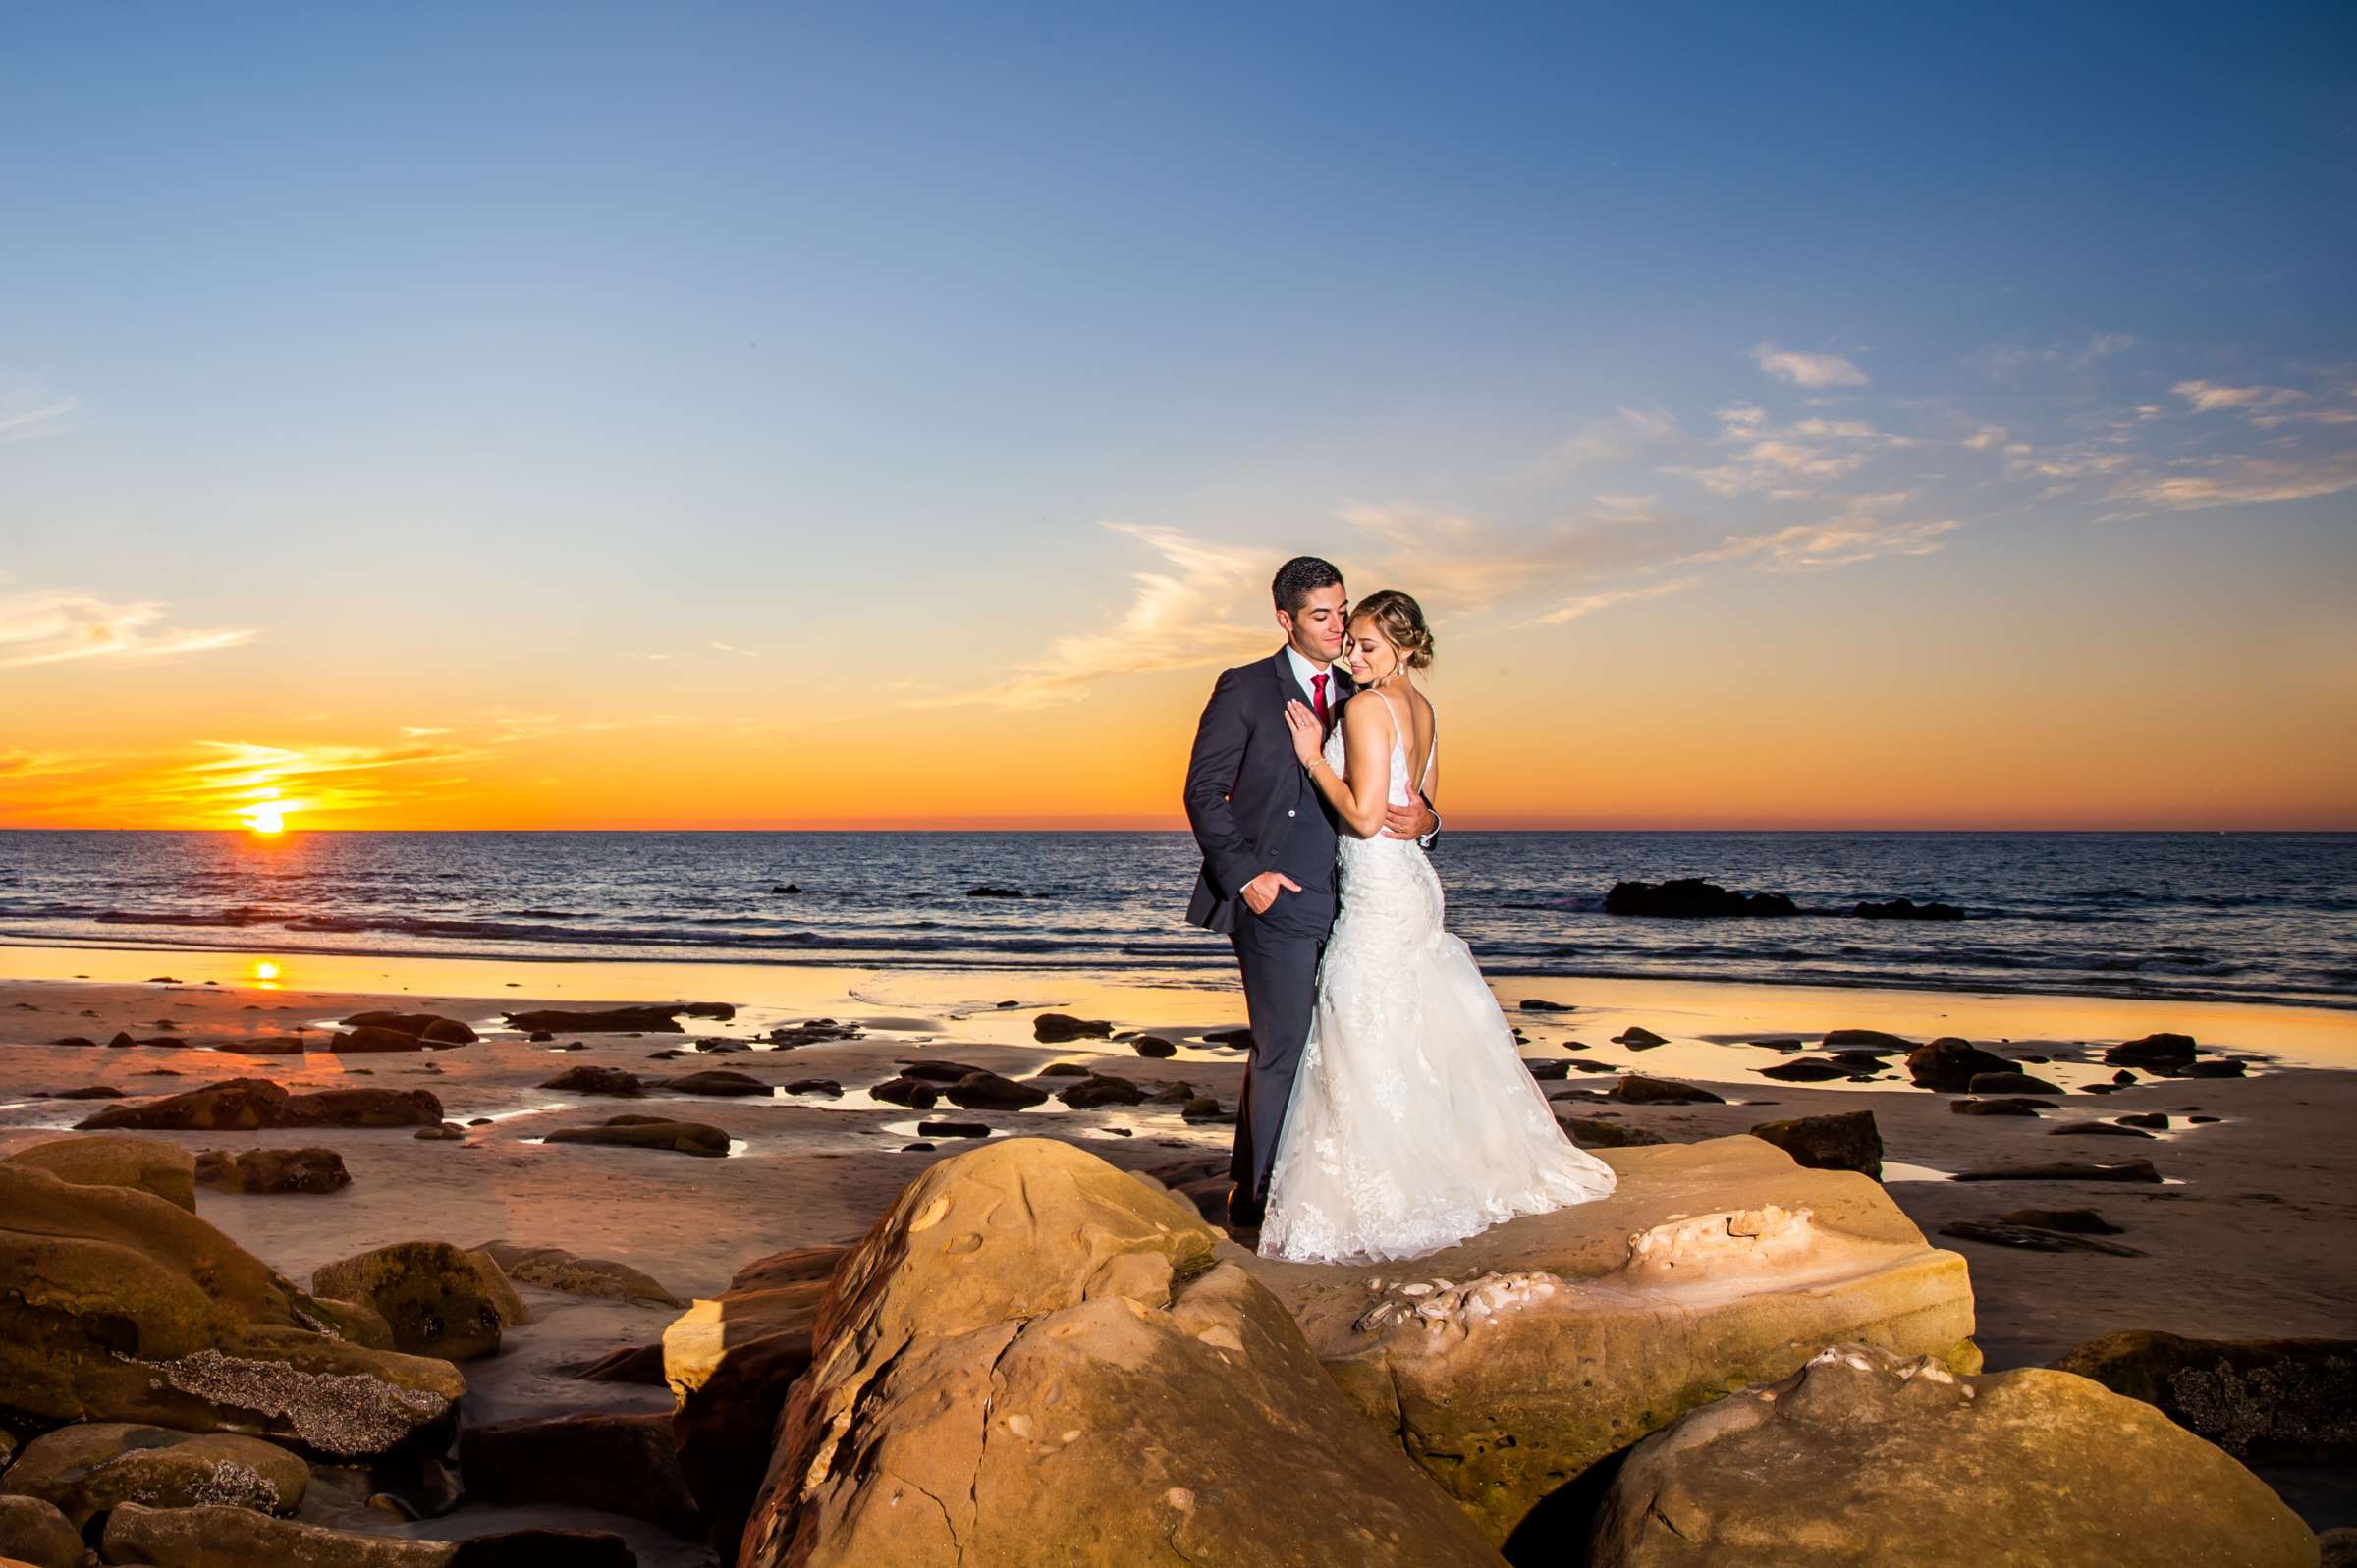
[{"x": 1431, "y": 752}]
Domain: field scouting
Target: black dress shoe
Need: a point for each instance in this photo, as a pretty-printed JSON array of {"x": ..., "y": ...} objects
[{"x": 1245, "y": 1214}]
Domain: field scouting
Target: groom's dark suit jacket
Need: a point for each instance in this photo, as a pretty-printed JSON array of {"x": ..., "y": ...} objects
[{"x": 1250, "y": 802}]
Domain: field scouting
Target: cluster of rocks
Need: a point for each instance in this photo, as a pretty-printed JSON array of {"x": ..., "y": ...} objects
[
  {"x": 1693, "y": 899},
  {"x": 166, "y": 1398}
]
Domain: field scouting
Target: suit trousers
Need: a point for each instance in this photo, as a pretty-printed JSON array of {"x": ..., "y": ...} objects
[{"x": 1279, "y": 956}]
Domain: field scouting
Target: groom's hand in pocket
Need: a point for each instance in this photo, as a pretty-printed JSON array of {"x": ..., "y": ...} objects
[{"x": 1261, "y": 891}]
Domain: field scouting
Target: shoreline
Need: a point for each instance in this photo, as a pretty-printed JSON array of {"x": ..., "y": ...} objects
[
  {"x": 1173, "y": 972},
  {"x": 2287, "y": 1034}
]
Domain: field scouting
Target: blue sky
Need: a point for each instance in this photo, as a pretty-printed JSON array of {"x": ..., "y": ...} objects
[{"x": 477, "y": 352}]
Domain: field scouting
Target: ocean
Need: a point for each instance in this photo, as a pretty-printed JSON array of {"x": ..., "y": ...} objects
[{"x": 2193, "y": 916}]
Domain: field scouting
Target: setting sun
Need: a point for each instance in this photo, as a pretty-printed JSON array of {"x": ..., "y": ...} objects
[{"x": 267, "y": 819}]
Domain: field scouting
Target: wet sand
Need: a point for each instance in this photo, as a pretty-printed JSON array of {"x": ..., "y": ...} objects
[{"x": 2246, "y": 1238}]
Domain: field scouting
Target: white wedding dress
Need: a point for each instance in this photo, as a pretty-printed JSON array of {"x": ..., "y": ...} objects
[{"x": 1413, "y": 1123}]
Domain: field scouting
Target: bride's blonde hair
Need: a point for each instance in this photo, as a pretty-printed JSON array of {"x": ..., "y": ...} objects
[{"x": 1401, "y": 621}]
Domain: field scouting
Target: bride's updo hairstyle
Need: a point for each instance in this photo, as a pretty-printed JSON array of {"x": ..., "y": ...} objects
[{"x": 1401, "y": 621}]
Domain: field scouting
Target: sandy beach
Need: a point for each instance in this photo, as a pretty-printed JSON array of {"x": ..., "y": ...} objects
[{"x": 2245, "y": 1237}]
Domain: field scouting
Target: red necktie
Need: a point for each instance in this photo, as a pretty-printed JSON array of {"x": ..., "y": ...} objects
[{"x": 1317, "y": 686}]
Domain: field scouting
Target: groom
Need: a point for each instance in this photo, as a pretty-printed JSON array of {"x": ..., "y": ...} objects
[{"x": 1269, "y": 849}]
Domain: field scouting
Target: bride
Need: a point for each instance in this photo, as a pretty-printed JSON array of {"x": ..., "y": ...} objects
[{"x": 1413, "y": 1123}]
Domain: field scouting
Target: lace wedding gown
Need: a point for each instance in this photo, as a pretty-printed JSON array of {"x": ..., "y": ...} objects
[{"x": 1413, "y": 1123}]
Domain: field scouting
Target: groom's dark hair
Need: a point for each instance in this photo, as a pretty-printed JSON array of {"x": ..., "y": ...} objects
[{"x": 1301, "y": 578}]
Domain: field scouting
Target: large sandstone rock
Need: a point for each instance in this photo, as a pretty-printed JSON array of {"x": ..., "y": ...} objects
[
  {"x": 1032, "y": 1347},
  {"x": 1507, "y": 1365},
  {"x": 439, "y": 1299},
  {"x": 2292, "y": 1400},
  {"x": 1866, "y": 1457},
  {"x": 123, "y": 1307},
  {"x": 242, "y": 1104},
  {"x": 729, "y": 1362},
  {"x": 34, "y": 1532},
  {"x": 150, "y": 1164},
  {"x": 90, "y": 1467},
  {"x": 619, "y": 1464},
  {"x": 232, "y": 1538}
]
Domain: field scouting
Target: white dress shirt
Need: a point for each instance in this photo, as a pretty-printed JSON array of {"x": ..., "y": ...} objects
[{"x": 1303, "y": 669}]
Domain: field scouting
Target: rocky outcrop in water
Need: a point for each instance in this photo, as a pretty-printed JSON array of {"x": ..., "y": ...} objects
[
  {"x": 1866, "y": 1456},
  {"x": 1905, "y": 909},
  {"x": 1693, "y": 899}
]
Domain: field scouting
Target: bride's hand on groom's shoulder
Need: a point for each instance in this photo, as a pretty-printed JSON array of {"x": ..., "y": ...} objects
[{"x": 1309, "y": 738}]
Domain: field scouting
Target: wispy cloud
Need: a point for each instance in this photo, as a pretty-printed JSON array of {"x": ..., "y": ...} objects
[
  {"x": 1815, "y": 371},
  {"x": 51, "y": 625},
  {"x": 2235, "y": 481},
  {"x": 29, "y": 423},
  {"x": 1860, "y": 532},
  {"x": 1589, "y": 603},
  {"x": 1603, "y": 441},
  {"x": 2209, "y": 396},
  {"x": 1787, "y": 463},
  {"x": 1195, "y": 607}
]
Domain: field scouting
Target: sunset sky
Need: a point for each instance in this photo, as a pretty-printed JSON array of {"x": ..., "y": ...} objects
[{"x": 694, "y": 416}]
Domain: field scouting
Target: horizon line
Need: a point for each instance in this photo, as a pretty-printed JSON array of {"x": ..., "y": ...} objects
[{"x": 1137, "y": 826}]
